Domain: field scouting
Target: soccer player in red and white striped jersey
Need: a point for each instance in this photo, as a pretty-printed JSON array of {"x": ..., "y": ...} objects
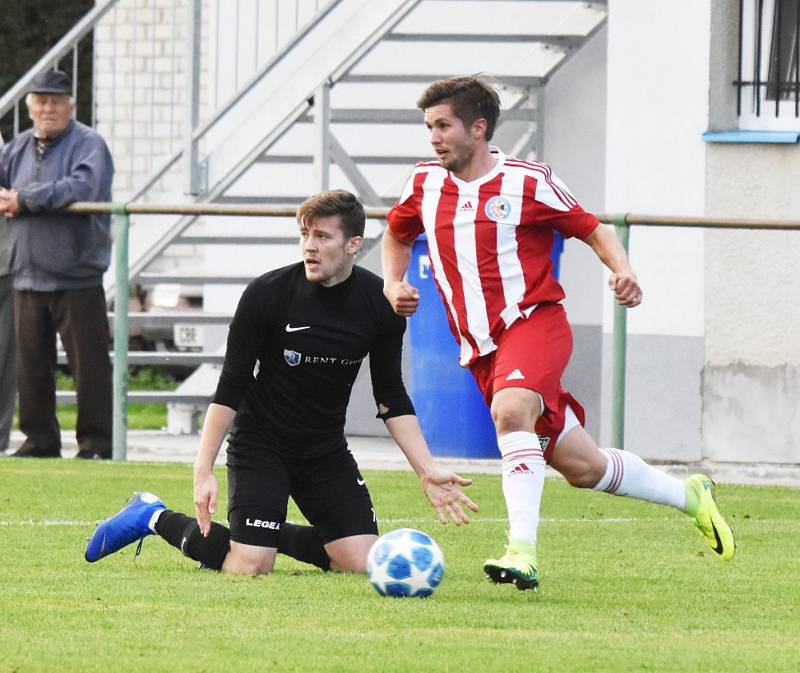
[{"x": 489, "y": 220}]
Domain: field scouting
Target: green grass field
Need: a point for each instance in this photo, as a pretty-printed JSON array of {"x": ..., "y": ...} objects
[{"x": 627, "y": 587}]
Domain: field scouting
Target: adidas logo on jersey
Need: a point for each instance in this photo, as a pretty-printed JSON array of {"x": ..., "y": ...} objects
[
  {"x": 516, "y": 375},
  {"x": 467, "y": 205}
]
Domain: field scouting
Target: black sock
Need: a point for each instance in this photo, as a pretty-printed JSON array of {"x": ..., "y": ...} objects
[
  {"x": 183, "y": 532},
  {"x": 304, "y": 544}
]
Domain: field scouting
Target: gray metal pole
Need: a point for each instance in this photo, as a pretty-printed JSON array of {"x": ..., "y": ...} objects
[
  {"x": 322, "y": 130},
  {"x": 620, "y": 348},
  {"x": 191, "y": 170},
  {"x": 120, "y": 398}
]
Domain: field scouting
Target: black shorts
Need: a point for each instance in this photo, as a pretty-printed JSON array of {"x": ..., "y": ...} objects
[{"x": 329, "y": 491}]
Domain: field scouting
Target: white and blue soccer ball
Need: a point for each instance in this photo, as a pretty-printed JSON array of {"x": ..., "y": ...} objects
[{"x": 405, "y": 562}]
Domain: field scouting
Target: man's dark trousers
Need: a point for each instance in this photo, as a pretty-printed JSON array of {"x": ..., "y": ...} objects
[{"x": 79, "y": 316}]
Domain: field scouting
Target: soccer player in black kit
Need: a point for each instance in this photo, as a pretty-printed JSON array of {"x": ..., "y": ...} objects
[{"x": 296, "y": 343}]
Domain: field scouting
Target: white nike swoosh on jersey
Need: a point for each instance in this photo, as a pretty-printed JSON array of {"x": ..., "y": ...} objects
[
  {"x": 360, "y": 482},
  {"x": 289, "y": 327}
]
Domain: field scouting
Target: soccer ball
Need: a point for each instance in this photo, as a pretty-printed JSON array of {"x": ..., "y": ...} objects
[{"x": 405, "y": 562}]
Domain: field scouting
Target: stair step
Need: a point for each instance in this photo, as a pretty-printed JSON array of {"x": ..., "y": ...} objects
[
  {"x": 183, "y": 359},
  {"x": 288, "y": 201},
  {"x": 189, "y": 279},
  {"x": 387, "y": 201},
  {"x": 557, "y": 41},
  {"x": 369, "y": 116},
  {"x": 169, "y": 318},
  {"x": 145, "y": 397},
  {"x": 399, "y": 116},
  {"x": 377, "y": 160},
  {"x": 283, "y": 200},
  {"x": 237, "y": 240},
  {"x": 523, "y": 81}
]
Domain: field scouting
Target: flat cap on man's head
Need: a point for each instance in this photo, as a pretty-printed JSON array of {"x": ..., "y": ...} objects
[{"x": 52, "y": 81}]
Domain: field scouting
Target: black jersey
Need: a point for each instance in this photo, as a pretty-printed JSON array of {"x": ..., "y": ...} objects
[{"x": 294, "y": 350}]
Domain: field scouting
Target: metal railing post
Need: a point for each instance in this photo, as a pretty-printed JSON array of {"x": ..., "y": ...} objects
[
  {"x": 120, "y": 400},
  {"x": 190, "y": 150},
  {"x": 322, "y": 135},
  {"x": 620, "y": 346}
]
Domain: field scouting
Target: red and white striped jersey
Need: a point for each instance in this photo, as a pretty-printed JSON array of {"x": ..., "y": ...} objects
[{"x": 490, "y": 242}]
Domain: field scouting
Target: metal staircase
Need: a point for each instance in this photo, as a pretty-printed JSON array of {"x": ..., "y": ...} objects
[{"x": 333, "y": 106}]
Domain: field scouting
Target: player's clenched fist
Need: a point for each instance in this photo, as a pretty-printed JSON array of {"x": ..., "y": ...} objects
[
  {"x": 403, "y": 298},
  {"x": 626, "y": 290}
]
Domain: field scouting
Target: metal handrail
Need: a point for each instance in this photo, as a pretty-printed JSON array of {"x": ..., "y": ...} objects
[
  {"x": 622, "y": 223},
  {"x": 624, "y": 219}
]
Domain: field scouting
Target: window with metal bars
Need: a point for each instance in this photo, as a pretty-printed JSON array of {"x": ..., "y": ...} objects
[{"x": 768, "y": 82}]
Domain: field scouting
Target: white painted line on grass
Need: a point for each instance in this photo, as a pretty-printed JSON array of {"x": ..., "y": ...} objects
[
  {"x": 418, "y": 521},
  {"x": 46, "y": 522}
]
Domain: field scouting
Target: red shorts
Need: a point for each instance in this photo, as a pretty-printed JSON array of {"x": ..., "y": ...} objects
[{"x": 533, "y": 354}]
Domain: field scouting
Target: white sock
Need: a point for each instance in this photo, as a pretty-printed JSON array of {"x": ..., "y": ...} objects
[
  {"x": 523, "y": 482},
  {"x": 627, "y": 474}
]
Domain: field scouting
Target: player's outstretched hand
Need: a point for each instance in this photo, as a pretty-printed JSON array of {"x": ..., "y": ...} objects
[
  {"x": 442, "y": 489},
  {"x": 626, "y": 289},
  {"x": 403, "y": 298},
  {"x": 205, "y": 500}
]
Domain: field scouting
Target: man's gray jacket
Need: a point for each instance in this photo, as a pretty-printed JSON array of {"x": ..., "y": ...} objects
[
  {"x": 5, "y": 241},
  {"x": 55, "y": 251}
]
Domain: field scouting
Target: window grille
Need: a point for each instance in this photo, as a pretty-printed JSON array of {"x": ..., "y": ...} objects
[{"x": 769, "y": 56}]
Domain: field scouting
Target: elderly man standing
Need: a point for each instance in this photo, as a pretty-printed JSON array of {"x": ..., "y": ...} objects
[{"x": 58, "y": 261}]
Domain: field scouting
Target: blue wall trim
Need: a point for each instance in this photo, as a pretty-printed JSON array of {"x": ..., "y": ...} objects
[{"x": 751, "y": 136}]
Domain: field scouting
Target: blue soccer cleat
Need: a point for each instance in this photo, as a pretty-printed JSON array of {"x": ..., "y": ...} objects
[{"x": 131, "y": 523}]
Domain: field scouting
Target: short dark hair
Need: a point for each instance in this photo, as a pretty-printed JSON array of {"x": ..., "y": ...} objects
[
  {"x": 470, "y": 97},
  {"x": 335, "y": 202}
]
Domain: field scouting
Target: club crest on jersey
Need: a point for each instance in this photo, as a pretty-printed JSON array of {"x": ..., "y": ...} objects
[
  {"x": 498, "y": 208},
  {"x": 292, "y": 358}
]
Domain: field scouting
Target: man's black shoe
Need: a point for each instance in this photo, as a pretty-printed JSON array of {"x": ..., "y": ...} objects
[
  {"x": 30, "y": 451},
  {"x": 87, "y": 454}
]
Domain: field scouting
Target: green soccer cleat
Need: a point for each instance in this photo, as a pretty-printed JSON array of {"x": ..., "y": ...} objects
[
  {"x": 701, "y": 505},
  {"x": 517, "y": 566}
]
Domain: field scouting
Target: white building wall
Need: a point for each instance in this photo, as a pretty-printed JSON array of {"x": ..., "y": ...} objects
[
  {"x": 751, "y": 378},
  {"x": 751, "y": 382},
  {"x": 658, "y": 64},
  {"x": 573, "y": 143}
]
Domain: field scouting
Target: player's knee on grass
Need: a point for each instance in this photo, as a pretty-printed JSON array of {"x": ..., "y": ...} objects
[
  {"x": 254, "y": 540},
  {"x": 349, "y": 554},
  {"x": 304, "y": 544},
  {"x": 246, "y": 559}
]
